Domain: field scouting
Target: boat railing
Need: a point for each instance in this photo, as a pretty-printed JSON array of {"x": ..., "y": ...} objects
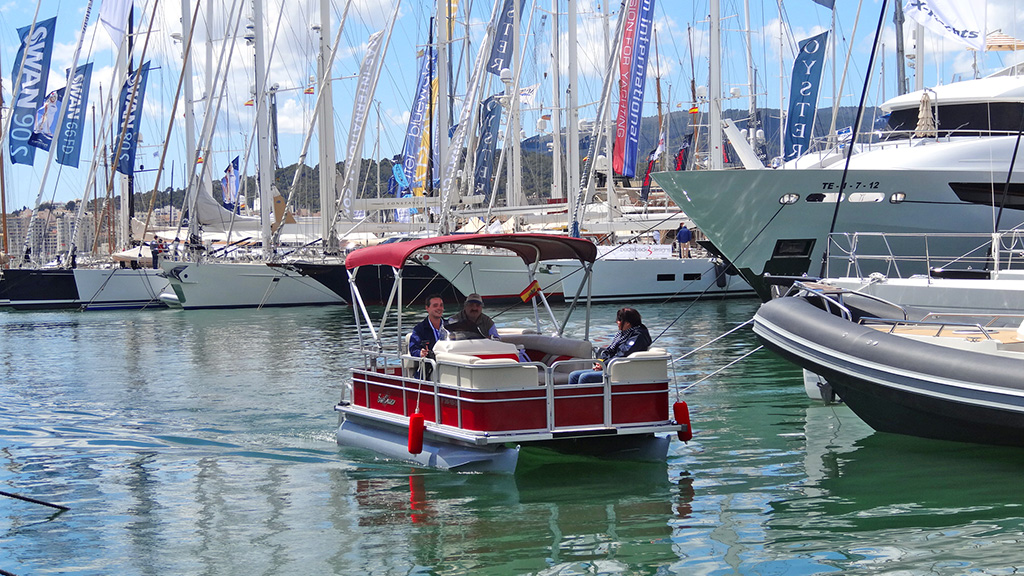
[
  {"x": 861, "y": 254},
  {"x": 969, "y": 329},
  {"x": 871, "y": 140},
  {"x": 500, "y": 397},
  {"x": 833, "y": 300}
]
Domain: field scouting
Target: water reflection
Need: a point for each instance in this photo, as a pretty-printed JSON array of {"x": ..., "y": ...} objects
[{"x": 579, "y": 516}]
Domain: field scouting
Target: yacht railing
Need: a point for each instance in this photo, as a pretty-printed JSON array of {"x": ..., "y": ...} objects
[{"x": 900, "y": 255}]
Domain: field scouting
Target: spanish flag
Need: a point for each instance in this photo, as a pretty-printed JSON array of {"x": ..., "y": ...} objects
[
  {"x": 310, "y": 90},
  {"x": 693, "y": 110},
  {"x": 250, "y": 102},
  {"x": 530, "y": 291}
]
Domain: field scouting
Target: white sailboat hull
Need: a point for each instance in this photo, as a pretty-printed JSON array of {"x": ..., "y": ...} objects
[
  {"x": 496, "y": 277},
  {"x": 243, "y": 285},
  {"x": 120, "y": 288},
  {"x": 82, "y": 288},
  {"x": 655, "y": 279}
]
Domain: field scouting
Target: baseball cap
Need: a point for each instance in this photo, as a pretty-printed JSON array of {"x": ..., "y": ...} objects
[{"x": 474, "y": 297}]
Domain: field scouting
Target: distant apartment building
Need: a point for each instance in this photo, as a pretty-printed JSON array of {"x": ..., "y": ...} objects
[{"x": 51, "y": 234}]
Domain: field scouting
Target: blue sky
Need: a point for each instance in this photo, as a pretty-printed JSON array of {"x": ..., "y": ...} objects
[{"x": 679, "y": 24}]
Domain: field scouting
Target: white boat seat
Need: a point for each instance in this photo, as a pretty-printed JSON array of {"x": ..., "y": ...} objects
[
  {"x": 551, "y": 349},
  {"x": 467, "y": 371},
  {"x": 483, "y": 349},
  {"x": 647, "y": 366}
]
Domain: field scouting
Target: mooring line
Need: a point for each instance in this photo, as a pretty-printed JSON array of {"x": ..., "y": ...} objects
[
  {"x": 722, "y": 368},
  {"x": 33, "y": 500}
]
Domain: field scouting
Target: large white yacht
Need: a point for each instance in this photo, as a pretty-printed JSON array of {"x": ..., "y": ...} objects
[{"x": 950, "y": 178}]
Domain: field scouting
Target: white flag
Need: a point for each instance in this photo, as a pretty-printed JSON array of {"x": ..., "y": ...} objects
[
  {"x": 957, "y": 20},
  {"x": 527, "y": 94},
  {"x": 114, "y": 16}
]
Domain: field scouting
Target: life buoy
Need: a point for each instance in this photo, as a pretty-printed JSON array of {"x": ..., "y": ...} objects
[
  {"x": 416, "y": 425},
  {"x": 682, "y": 414}
]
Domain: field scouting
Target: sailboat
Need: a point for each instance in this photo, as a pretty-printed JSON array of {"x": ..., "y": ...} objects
[
  {"x": 69, "y": 283},
  {"x": 627, "y": 270},
  {"x": 271, "y": 281}
]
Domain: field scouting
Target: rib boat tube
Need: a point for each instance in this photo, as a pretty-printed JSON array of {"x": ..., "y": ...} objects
[{"x": 958, "y": 384}]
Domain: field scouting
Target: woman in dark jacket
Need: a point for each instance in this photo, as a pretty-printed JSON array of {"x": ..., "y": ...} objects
[{"x": 631, "y": 337}]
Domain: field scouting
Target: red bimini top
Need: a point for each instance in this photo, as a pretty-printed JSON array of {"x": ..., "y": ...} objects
[{"x": 529, "y": 247}]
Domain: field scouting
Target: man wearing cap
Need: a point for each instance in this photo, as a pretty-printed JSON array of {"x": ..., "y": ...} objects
[{"x": 472, "y": 319}]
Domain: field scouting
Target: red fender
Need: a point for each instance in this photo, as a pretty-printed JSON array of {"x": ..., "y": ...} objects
[
  {"x": 416, "y": 425},
  {"x": 682, "y": 413}
]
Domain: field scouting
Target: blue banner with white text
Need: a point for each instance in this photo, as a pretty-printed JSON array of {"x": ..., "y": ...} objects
[
  {"x": 130, "y": 114},
  {"x": 634, "y": 104},
  {"x": 418, "y": 120},
  {"x": 803, "y": 95},
  {"x": 70, "y": 135},
  {"x": 30, "y": 91},
  {"x": 490, "y": 121},
  {"x": 501, "y": 49}
]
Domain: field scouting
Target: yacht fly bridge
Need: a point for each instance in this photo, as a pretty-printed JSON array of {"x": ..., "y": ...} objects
[{"x": 476, "y": 403}]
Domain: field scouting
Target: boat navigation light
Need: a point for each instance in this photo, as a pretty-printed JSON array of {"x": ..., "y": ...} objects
[{"x": 789, "y": 199}]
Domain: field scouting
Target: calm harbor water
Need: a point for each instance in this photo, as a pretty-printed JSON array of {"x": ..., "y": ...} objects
[{"x": 203, "y": 443}]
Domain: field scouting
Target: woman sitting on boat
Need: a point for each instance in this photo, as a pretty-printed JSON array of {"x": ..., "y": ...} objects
[{"x": 631, "y": 337}]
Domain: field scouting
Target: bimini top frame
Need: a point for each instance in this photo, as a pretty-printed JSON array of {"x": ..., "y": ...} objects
[{"x": 532, "y": 248}]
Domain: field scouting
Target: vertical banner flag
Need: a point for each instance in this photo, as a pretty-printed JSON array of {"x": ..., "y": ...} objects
[
  {"x": 954, "y": 19},
  {"x": 368, "y": 71},
  {"x": 490, "y": 121},
  {"x": 418, "y": 122},
  {"x": 683, "y": 154},
  {"x": 645, "y": 189},
  {"x": 501, "y": 49},
  {"x": 31, "y": 91},
  {"x": 114, "y": 16},
  {"x": 633, "y": 58},
  {"x": 803, "y": 95},
  {"x": 229, "y": 187},
  {"x": 130, "y": 114},
  {"x": 69, "y": 138}
]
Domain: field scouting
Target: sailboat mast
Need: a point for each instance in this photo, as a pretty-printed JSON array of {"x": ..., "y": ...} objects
[
  {"x": 440, "y": 135},
  {"x": 265, "y": 168},
  {"x": 557, "y": 192},
  {"x": 715, "y": 89},
  {"x": 572, "y": 146},
  {"x": 901, "y": 64},
  {"x": 751, "y": 81},
  {"x": 514, "y": 193},
  {"x": 189, "y": 89},
  {"x": 606, "y": 121},
  {"x": 325, "y": 117}
]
